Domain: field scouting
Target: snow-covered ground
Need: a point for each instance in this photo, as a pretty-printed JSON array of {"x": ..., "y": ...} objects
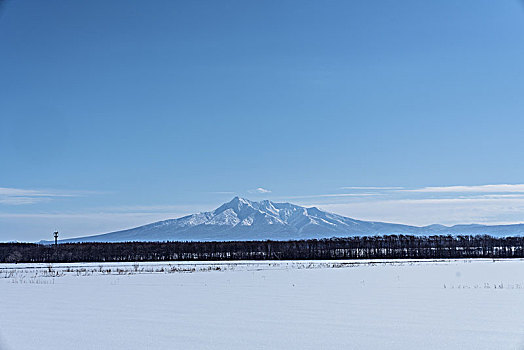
[{"x": 460, "y": 304}]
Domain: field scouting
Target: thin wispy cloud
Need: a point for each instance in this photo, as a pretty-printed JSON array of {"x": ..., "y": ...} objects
[
  {"x": 94, "y": 220},
  {"x": 333, "y": 195},
  {"x": 490, "y": 188},
  {"x": 89, "y": 215},
  {"x": 19, "y": 192},
  {"x": 75, "y": 224},
  {"x": 259, "y": 190},
  {"x": 169, "y": 211},
  {"x": 19, "y": 196},
  {"x": 490, "y": 204},
  {"x": 175, "y": 210},
  {"x": 426, "y": 211},
  {"x": 497, "y": 188},
  {"x": 370, "y": 188},
  {"x": 15, "y": 200}
]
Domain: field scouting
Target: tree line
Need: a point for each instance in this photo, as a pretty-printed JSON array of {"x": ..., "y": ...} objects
[{"x": 375, "y": 247}]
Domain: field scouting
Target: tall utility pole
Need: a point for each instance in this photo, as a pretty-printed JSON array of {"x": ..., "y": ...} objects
[{"x": 56, "y": 237}]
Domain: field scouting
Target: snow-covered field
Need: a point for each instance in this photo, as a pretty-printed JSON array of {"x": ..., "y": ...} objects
[{"x": 460, "y": 304}]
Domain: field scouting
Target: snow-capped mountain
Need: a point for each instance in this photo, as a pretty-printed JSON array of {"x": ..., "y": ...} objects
[{"x": 242, "y": 219}]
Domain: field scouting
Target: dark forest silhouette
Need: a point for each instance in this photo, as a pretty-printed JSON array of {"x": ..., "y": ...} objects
[{"x": 378, "y": 247}]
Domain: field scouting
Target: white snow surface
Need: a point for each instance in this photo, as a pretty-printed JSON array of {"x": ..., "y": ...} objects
[{"x": 457, "y": 304}]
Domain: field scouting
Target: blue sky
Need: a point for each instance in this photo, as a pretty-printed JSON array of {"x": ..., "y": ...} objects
[{"x": 118, "y": 113}]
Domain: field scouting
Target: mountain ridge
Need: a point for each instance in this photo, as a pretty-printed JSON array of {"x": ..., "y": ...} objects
[{"x": 242, "y": 219}]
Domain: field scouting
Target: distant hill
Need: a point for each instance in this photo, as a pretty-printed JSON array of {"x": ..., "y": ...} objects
[{"x": 242, "y": 219}]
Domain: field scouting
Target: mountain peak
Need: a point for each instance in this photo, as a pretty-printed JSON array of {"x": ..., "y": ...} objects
[
  {"x": 237, "y": 204},
  {"x": 241, "y": 200}
]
